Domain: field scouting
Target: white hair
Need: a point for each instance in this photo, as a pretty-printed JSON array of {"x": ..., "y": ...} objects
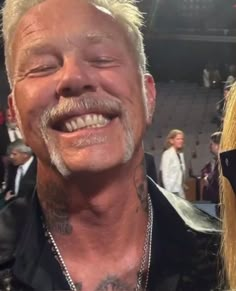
[
  {"x": 124, "y": 11},
  {"x": 19, "y": 146}
]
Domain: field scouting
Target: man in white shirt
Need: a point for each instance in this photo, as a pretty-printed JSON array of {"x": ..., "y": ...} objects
[
  {"x": 22, "y": 173},
  {"x": 172, "y": 168},
  {"x": 12, "y": 128}
]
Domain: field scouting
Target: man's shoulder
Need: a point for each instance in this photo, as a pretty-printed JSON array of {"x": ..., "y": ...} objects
[
  {"x": 189, "y": 240},
  {"x": 172, "y": 208},
  {"x": 33, "y": 164},
  {"x": 169, "y": 152}
]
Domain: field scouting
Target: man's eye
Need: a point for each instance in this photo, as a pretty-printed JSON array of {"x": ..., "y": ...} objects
[
  {"x": 102, "y": 61},
  {"x": 42, "y": 70}
]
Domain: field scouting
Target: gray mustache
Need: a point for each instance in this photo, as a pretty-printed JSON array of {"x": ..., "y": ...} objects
[{"x": 81, "y": 105}]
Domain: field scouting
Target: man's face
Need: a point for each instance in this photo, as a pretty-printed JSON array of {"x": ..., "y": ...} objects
[
  {"x": 77, "y": 87},
  {"x": 214, "y": 148},
  {"x": 9, "y": 118},
  {"x": 178, "y": 141},
  {"x": 17, "y": 158}
]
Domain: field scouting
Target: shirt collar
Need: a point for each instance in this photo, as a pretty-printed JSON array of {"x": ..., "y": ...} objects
[
  {"x": 14, "y": 133},
  {"x": 26, "y": 165}
]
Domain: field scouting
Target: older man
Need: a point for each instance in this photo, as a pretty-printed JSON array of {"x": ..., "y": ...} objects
[
  {"x": 21, "y": 178},
  {"x": 83, "y": 99},
  {"x": 9, "y": 132}
]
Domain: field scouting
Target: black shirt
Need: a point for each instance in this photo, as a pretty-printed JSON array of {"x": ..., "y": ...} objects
[{"x": 184, "y": 249}]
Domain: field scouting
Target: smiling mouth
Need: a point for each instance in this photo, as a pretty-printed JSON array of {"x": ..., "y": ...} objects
[{"x": 85, "y": 121}]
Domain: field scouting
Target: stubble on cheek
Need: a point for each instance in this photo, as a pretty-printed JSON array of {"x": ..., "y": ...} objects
[
  {"x": 129, "y": 138},
  {"x": 51, "y": 145}
]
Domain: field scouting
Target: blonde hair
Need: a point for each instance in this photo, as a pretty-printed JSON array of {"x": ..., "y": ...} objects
[
  {"x": 228, "y": 198},
  {"x": 172, "y": 134},
  {"x": 124, "y": 11}
]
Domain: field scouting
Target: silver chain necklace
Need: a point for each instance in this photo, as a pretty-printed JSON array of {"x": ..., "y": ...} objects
[{"x": 146, "y": 257}]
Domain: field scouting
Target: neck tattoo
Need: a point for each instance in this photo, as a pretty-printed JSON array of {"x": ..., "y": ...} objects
[{"x": 143, "y": 273}]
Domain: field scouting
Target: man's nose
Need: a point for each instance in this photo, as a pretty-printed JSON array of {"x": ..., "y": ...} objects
[{"x": 75, "y": 79}]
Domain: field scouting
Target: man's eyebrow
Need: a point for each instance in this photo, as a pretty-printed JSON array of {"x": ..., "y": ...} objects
[
  {"x": 92, "y": 38},
  {"x": 98, "y": 37},
  {"x": 36, "y": 49},
  {"x": 40, "y": 47},
  {"x": 43, "y": 47}
]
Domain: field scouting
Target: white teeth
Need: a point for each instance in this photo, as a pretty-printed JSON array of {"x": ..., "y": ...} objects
[
  {"x": 80, "y": 122},
  {"x": 74, "y": 125},
  {"x": 86, "y": 121},
  {"x": 100, "y": 118},
  {"x": 69, "y": 126},
  {"x": 95, "y": 118}
]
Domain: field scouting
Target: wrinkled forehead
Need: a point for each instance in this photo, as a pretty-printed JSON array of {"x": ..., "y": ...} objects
[
  {"x": 70, "y": 16},
  {"x": 70, "y": 21}
]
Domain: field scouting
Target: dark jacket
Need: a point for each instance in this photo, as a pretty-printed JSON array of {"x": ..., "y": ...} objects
[
  {"x": 150, "y": 166},
  {"x": 5, "y": 140},
  {"x": 27, "y": 183},
  {"x": 211, "y": 191},
  {"x": 184, "y": 247}
]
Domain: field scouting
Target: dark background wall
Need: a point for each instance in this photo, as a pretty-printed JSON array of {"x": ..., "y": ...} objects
[{"x": 184, "y": 60}]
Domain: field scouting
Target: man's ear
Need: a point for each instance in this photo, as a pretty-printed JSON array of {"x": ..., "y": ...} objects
[
  {"x": 11, "y": 107},
  {"x": 150, "y": 89}
]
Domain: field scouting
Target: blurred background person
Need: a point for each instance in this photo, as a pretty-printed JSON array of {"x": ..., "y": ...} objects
[
  {"x": 231, "y": 78},
  {"x": 210, "y": 172},
  {"x": 211, "y": 76},
  {"x": 21, "y": 178},
  {"x": 220, "y": 105},
  {"x": 9, "y": 132},
  {"x": 172, "y": 168},
  {"x": 12, "y": 128}
]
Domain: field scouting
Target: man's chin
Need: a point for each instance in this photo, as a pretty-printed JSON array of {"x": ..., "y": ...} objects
[
  {"x": 87, "y": 168},
  {"x": 89, "y": 164},
  {"x": 88, "y": 155}
]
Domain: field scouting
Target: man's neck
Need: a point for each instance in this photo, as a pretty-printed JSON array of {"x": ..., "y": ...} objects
[
  {"x": 179, "y": 150},
  {"x": 104, "y": 225},
  {"x": 26, "y": 160},
  {"x": 113, "y": 209}
]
